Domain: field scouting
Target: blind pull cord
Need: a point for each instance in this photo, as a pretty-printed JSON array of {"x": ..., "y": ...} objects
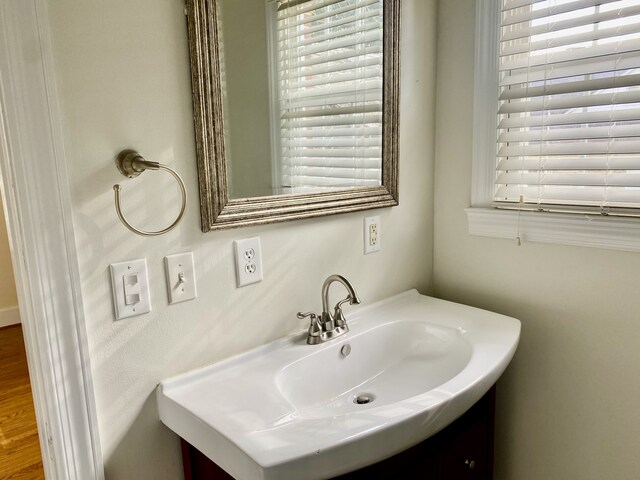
[{"x": 520, "y": 203}]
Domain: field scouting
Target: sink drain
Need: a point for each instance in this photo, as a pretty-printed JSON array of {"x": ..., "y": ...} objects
[{"x": 363, "y": 399}]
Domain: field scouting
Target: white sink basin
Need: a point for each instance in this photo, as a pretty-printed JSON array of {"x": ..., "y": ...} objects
[
  {"x": 391, "y": 362},
  {"x": 286, "y": 410}
]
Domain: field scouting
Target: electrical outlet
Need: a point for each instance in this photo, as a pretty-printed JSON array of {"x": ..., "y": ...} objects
[
  {"x": 248, "y": 261},
  {"x": 371, "y": 234}
]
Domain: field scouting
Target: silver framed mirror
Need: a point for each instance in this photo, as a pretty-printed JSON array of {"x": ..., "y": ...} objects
[{"x": 328, "y": 154}]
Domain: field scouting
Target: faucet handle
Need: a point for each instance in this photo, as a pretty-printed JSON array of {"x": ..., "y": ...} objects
[
  {"x": 315, "y": 329},
  {"x": 339, "y": 304},
  {"x": 338, "y": 316}
]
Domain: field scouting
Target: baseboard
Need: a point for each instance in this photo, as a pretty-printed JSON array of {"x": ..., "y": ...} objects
[{"x": 9, "y": 316}]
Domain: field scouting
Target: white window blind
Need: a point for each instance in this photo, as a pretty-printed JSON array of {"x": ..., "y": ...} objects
[
  {"x": 330, "y": 93},
  {"x": 569, "y": 106}
]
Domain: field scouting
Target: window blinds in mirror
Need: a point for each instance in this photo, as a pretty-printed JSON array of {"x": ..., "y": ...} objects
[
  {"x": 330, "y": 93},
  {"x": 569, "y": 105}
]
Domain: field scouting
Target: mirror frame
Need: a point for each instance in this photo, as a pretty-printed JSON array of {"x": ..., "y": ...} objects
[{"x": 218, "y": 211}]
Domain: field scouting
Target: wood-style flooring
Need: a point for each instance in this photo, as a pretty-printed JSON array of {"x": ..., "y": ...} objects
[{"x": 19, "y": 448}]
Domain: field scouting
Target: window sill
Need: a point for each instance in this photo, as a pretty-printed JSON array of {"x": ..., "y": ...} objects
[{"x": 616, "y": 233}]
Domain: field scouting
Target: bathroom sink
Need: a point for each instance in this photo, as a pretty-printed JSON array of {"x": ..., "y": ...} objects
[
  {"x": 408, "y": 367},
  {"x": 389, "y": 363}
]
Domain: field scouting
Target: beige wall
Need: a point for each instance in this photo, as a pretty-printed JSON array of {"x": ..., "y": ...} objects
[
  {"x": 122, "y": 72},
  {"x": 567, "y": 407},
  {"x": 8, "y": 287},
  {"x": 247, "y": 114}
]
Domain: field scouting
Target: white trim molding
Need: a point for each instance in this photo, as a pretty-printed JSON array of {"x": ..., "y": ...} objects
[
  {"x": 9, "y": 316},
  {"x": 34, "y": 186},
  {"x": 619, "y": 233}
]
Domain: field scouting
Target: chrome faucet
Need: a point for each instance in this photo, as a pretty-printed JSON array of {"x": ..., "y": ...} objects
[{"x": 328, "y": 325}]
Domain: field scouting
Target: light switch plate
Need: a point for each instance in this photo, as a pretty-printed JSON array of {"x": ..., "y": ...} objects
[
  {"x": 248, "y": 261},
  {"x": 181, "y": 277},
  {"x": 130, "y": 288}
]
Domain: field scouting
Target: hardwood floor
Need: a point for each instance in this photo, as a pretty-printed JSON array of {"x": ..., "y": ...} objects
[{"x": 19, "y": 448}]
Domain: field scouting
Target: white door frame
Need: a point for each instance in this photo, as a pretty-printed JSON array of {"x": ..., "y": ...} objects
[{"x": 34, "y": 187}]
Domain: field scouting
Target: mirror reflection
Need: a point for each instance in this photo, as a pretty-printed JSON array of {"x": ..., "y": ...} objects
[{"x": 302, "y": 95}]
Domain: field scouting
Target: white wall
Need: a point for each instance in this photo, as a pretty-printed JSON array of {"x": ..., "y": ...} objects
[
  {"x": 122, "y": 72},
  {"x": 567, "y": 407}
]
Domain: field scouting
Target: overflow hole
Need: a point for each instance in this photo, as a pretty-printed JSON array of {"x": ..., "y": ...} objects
[{"x": 363, "y": 399}]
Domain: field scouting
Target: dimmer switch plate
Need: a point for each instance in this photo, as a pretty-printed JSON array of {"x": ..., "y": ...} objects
[
  {"x": 248, "y": 261},
  {"x": 181, "y": 278},
  {"x": 130, "y": 288}
]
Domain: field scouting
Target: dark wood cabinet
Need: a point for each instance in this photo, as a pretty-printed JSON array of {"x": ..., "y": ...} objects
[{"x": 462, "y": 451}]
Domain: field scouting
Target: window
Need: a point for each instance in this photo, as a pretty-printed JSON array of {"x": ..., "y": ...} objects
[
  {"x": 560, "y": 128},
  {"x": 329, "y": 91}
]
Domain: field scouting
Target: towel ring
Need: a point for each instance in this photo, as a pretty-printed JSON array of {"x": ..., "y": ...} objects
[{"x": 131, "y": 164}]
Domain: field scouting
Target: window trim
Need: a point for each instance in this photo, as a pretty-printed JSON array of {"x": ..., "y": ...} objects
[{"x": 599, "y": 231}]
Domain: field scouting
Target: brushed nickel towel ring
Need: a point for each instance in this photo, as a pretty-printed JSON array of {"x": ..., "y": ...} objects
[{"x": 131, "y": 164}]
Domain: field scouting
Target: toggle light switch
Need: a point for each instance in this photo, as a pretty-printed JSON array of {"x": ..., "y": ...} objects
[
  {"x": 181, "y": 278},
  {"x": 130, "y": 288}
]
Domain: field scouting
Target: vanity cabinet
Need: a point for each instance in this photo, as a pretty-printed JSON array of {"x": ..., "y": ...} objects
[{"x": 462, "y": 451}]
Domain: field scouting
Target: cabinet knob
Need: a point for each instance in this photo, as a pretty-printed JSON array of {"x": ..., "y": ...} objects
[{"x": 471, "y": 463}]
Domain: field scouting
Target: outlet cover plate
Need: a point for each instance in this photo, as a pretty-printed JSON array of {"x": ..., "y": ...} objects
[
  {"x": 181, "y": 277},
  {"x": 130, "y": 288},
  {"x": 248, "y": 261},
  {"x": 372, "y": 234}
]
